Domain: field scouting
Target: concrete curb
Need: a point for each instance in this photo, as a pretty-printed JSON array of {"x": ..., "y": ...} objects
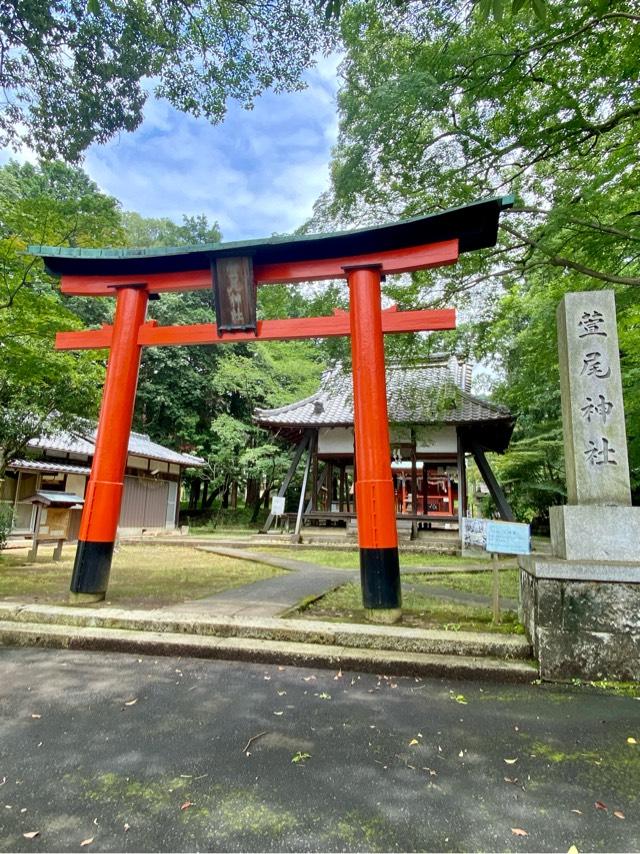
[
  {"x": 304, "y": 642},
  {"x": 263, "y": 651}
]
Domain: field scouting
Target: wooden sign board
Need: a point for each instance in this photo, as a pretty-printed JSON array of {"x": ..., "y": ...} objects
[
  {"x": 234, "y": 292},
  {"x": 57, "y": 524}
]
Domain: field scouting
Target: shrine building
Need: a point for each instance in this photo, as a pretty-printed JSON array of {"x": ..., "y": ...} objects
[
  {"x": 59, "y": 463},
  {"x": 435, "y": 424}
]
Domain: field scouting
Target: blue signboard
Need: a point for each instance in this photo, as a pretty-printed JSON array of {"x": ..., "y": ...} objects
[{"x": 511, "y": 538}]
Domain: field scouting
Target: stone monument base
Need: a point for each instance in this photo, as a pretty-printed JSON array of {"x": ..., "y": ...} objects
[
  {"x": 595, "y": 532},
  {"x": 582, "y": 617}
]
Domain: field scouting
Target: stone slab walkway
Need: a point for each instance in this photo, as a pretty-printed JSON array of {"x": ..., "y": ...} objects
[{"x": 271, "y": 596}]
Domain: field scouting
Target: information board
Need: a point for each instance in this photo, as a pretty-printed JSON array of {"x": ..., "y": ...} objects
[
  {"x": 474, "y": 533},
  {"x": 512, "y": 538},
  {"x": 277, "y": 505}
]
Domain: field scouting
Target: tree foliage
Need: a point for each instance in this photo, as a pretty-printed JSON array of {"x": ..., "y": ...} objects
[
  {"x": 74, "y": 73},
  {"x": 40, "y": 389},
  {"x": 439, "y": 108}
]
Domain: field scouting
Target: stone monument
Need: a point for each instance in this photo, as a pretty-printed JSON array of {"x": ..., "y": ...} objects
[{"x": 581, "y": 605}]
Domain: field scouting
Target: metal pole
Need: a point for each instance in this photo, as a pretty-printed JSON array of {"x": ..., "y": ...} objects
[
  {"x": 106, "y": 482},
  {"x": 375, "y": 506}
]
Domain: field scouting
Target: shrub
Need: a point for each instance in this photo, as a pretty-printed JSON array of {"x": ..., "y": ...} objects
[{"x": 6, "y": 521}]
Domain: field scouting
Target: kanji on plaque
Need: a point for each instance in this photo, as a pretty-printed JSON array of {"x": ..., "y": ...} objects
[
  {"x": 591, "y": 323},
  {"x": 600, "y": 455},
  {"x": 596, "y": 408},
  {"x": 593, "y": 365},
  {"x": 593, "y": 424}
]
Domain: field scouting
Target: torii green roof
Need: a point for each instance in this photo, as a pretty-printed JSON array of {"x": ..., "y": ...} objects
[{"x": 475, "y": 225}]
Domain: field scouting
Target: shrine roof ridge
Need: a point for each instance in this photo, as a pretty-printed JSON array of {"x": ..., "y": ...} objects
[{"x": 474, "y": 224}]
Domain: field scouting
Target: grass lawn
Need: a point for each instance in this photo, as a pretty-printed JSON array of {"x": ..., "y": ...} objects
[
  {"x": 343, "y": 559},
  {"x": 142, "y": 576},
  {"x": 474, "y": 582},
  {"x": 418, "y": 610}
]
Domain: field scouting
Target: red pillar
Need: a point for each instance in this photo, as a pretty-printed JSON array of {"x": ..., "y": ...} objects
[
  {"x": 106, "y": 482},
  {"x": 375, "y": 504}
]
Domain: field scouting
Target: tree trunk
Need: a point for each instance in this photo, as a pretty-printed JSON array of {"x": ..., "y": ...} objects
[
  {"x": 252, "y": 490},
  {"x": 234, "y": 495},
  {"x": 194, "y": 494},
  {"x": 260, "y": 498}
]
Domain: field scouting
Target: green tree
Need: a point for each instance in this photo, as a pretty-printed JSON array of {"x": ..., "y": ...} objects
[
  {"x": 438, "y": 109},
  {"x": 77, "y": 73},
  {"x": 435, "y": 111},
  {"x": 41, "y": 390}
]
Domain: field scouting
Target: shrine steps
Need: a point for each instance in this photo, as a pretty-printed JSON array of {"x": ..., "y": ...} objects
[{"x": 390, "y": 650}]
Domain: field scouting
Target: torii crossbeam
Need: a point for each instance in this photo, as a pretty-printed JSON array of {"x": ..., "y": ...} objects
[{"x": 361, "y": 257}]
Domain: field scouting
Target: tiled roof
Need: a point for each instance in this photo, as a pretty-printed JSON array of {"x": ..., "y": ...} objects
[
  {"x": 83, "y": 442},
  {"x": 426, "y": 394},
  {"x": 41, "y": 465}
]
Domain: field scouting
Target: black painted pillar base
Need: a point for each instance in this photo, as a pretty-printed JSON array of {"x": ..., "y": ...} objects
[
  {"x": 380, "y": 579},
  {"x": 91, "y": 570}
]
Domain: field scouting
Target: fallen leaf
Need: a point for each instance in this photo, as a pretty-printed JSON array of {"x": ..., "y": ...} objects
[
  {"x": 518, "y": 831},
  {"x": 324, "y": 696},
  {"x": 278, "y": 713},
  {"x": 86, "y": 842},
  {"x": 281, "y": 693},
  {"x": 300, "y": 757},
  {"x": 186, "y": 805},
  {"x": 511, "y": 761},
  {"x": 131, "y": 702},
  {"x": 413, "y": 741},
  {"x": 338, "y": 675},
  {"x": 573, "y": 850},
  {"x": 600, "y": 806},
  {"x": 36, "y": 717},
  {"x": 127, "y": 826},
  {"x": 618, "y": 814},
  {"x": 31, "y": 834},
  {"x": 577, "y": 812},
  {"x": 308, "y": 678},
  {"x": 461, "y": 754},
  {"x": 3, "y": 781},
  {"x": 631, "y": 740},
  {"x": 459, "y": 698},
  {"x": 513, "y": 780}
]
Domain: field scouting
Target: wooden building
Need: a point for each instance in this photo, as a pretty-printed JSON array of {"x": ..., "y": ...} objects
[
  {"x": 62, "y": 461},
  {"x": 435, "y": 424}
]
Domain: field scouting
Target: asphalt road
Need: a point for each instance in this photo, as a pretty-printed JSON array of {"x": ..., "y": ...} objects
[{"x": 151, "y": 755}]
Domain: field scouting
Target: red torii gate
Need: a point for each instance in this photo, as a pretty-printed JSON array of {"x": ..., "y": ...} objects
[{"x": 363, "y": 257}]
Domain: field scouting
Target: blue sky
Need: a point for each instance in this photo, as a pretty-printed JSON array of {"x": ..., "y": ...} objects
[{"x": 257, "y": 173}]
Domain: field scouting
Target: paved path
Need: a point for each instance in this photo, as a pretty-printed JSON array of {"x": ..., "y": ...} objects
[
  {"x": 271, "y": 596},
  {"x": 302, "y": 580},
  {"x": 144, "y": 754}
]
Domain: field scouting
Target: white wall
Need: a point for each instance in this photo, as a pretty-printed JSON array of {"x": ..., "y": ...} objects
[{"x": 429, "y": 440}]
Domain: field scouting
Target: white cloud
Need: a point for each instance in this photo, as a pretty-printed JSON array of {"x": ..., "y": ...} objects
[{"x": 257, "y": 173}]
